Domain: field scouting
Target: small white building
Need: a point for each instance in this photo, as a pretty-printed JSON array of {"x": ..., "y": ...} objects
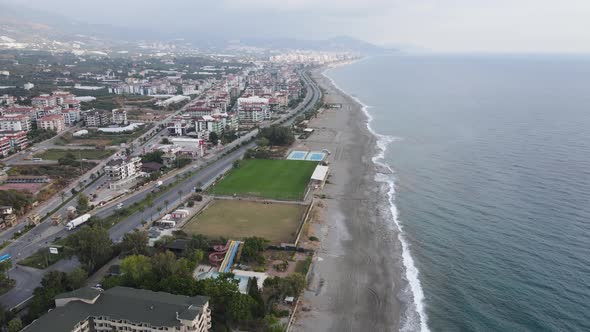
[{"x": 319, "y": 176}]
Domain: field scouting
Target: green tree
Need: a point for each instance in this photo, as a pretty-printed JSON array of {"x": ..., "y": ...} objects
[
  {"x": 5, "y": 316},
  {"x": 253, "y": 247},
  {"x": 240, "y": 307},
  {"x": 83, "y": 203},
  {"x": 142, "y": 210},
  {"x": 135, "y": 243},
  {"x": 164, "y": 264},
  {"x": 213, "y": 137},
  {"x": 15, "y": 325},
  {"x": 92, "y": 245},
  {"x": 277, "y": 135},
  {"x": 150, "y": 205},
  {"x": 200, "y": 241},
  {"x": 136, "y": 268},
  {"x": 77, "y": 278},
  {"x": 155, "y": 156},
  {"x": 256, "y": 295},
  {"x": 263, "y": 142},
  {"x": 52, "y": 284}
]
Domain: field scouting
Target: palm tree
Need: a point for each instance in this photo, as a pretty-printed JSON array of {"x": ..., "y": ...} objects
[
  {"x": 150, "y": 204},
  {"x": 63, "y": 196},
  {"x": 142, "y": 210}
]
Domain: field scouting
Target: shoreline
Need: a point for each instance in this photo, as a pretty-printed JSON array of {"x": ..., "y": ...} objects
[
  {"x": 357, "y": 275},
  {"x": 414, "y": 315}
]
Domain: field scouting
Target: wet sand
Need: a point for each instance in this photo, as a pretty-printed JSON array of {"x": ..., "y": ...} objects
[{"x": 355, "y": 278}]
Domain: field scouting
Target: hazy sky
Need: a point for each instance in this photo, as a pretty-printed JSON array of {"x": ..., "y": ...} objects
[{"x": 440, "y": 25}]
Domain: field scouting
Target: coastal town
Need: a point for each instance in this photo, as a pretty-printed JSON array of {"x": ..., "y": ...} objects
[{"x": 189, "y": 186}]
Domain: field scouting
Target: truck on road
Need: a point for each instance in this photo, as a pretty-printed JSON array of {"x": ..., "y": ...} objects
[{"x": 77, "y": 222}]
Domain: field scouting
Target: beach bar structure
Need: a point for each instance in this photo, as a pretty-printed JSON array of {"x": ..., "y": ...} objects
[{"x": 319, "y": 176}]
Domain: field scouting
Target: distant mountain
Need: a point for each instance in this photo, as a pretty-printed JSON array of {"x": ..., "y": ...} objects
[
  {"x": 26, "y": 28},
  {"x": 340, "y": 44}
]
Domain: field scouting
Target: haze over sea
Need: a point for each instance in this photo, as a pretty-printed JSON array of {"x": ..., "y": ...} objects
[{"x": 491, "y": 162}]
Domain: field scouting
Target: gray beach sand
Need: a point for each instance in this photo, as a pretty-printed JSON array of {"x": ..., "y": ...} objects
[{"x": 356, "y": 276}]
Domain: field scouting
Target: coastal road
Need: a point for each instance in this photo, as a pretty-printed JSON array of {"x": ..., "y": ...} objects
[{"x": 44, "y": 234}]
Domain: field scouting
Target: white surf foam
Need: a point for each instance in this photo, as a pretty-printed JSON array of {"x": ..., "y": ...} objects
[{"x": 415, "y": 320}]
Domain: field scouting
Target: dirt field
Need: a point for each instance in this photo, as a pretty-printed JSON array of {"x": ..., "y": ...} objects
[{"x": 237, "y": 219}]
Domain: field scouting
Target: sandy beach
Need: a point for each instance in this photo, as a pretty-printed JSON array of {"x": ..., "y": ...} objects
[{"x": 356, "y": 275}]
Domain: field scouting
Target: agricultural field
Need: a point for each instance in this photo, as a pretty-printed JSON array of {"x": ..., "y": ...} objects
[
  {"x": 267, "y": 178},
  {"x": 91, "y": 154},
  {"x": 237, "y": 219}
]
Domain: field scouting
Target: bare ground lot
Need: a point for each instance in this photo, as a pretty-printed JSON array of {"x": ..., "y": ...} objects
[{"x": 237, "y": 219}]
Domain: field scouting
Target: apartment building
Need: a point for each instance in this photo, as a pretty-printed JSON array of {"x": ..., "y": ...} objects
[
  {"x": 5, "y": 147},
  {"x": 178, "y": 126},
  {"x": 120, "y": 169},
  {"x": 54, "y": 122},
  {"x": 253, "y": 109},
  {"x": 18, "y": 139},
  {"x": 15, "y": 122},
  {"x": 201, "y": 111},
  {"x": 71, "y": 116},
  {"x": 207, "y": 124},
  {"x": 43, "y": 101},
  {"x": 7, "y": 100},
  {"x": 124, "y": 309},
  {"x": 96, "y": 118},
  {"x": 119, "y": 116}
]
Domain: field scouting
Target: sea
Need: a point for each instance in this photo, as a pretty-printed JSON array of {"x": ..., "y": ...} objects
[{"x": 490, "y": 185}]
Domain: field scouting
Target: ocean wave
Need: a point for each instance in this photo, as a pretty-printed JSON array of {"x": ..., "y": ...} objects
[{"x": 415, "y": 319}]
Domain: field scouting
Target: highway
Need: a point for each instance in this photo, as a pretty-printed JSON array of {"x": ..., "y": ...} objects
[{"x": 44, "y": 234}]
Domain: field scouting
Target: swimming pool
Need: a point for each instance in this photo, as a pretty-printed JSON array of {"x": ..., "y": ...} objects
[
  {"x": 316, "y": 156},
  {"x": 297, "y": 155}
]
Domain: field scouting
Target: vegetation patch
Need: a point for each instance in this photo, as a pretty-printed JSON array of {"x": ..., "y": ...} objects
[
  {"x": 42, "y": 259},
  {"x": 241, "y": 219},
  {"x": 56, "y": 154},
  {"x": 278, "y": 179}
]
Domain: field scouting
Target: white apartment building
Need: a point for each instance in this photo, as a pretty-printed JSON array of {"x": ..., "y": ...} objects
[
  {"x": 71, "y": 116},
  {"x": 204, "y": 125},
  {"x": 120, "y": 169},
  {"x": 124, "y": 309},
  {"x": 253, "y": 109},
  {"x": 15, "y": 122},
  {"x": 188, "y": 89}
]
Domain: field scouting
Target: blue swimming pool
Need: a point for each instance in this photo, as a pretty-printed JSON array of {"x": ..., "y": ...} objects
[
  {"x": 297, "y": 155},
  {"x": 316, "y": 156}
]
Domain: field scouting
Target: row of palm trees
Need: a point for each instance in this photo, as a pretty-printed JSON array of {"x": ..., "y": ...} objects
[{"x": 150, "y": 205}]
